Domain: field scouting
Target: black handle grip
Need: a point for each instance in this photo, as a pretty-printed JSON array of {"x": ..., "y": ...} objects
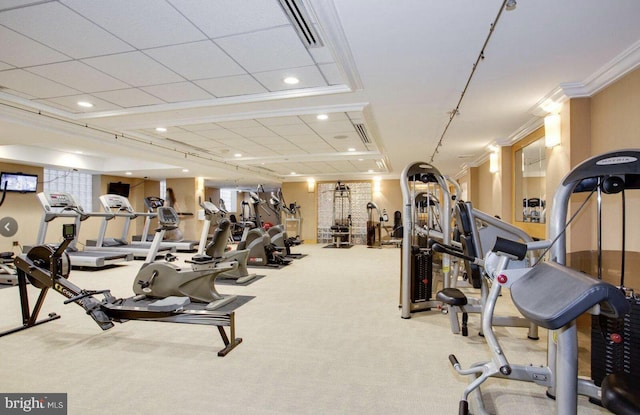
[
  {"x": 453, "y": 252},
  {"x": 453, "y": 360}
]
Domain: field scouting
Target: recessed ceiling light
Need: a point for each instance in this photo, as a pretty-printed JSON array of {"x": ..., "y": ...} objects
[
  {"x": 360, "y": 159},
  {"x": 291, "y": 80},
  {"x": 161, "y": 129},
  {"x": 78, "y": 152},
  {"x": 128, "y": 173},
  {"x": 185, "y": 170},
  {"x": 322, "y": 117},
  {"x": 370, "y": 171},
  {"x": 351, "y": 149},
  {"x": 237, "y": 155},
  {"x": 85, "y": 104},
  {"x": 292, "y": 173}
]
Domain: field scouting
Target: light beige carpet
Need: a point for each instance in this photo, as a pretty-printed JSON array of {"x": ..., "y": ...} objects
[{"x": 323, "y": 336}]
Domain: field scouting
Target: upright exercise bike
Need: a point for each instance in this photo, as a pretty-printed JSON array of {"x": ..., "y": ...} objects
[{"x": 217, "y": 248}]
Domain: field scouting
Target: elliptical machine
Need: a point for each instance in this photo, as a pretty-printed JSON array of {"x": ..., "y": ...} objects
[
  {"x": 277, "y": 232},
  {"x": 261, "y": 251},
  {"x": 217, "y": 248},
  {"x": 164, "y": 278}
]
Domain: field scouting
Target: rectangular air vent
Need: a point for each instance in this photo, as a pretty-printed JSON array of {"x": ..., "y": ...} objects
[
  {"x": 362, "y": 132},
  {"x": 299, "y": 18}
]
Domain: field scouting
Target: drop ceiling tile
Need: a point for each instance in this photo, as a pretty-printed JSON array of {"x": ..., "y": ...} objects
[
  {"x": 197, "y": 60},
  {"x": 303, "y": 139},
  {"x": 141, "y": 23},
  {"x": 220, "y": 18},
  {"x": 134, "y": 68},
  {"x": 270, "y": 141},
  {"x": 14, "y": 46},
  {"x": 309, "y": 76},
  {"x": 70, "y": 103},
  {"x": 252, "y": 132},
  {"x": 238, "y": 124},
  {"x": 292, "y": 130},
  {"x": 78, "y": 75},
  {"x": 4, "y": 66},
  {"x": 328, "y": 127},
  {"x": 231, "y": 86},
  {"x": 201, "y": 127},
  {"x": 181, "y": 91},
  {"x": 235, "y": 142},
  {"x": 9, "y": 4},
  {"x": 321, "y": 55},
  {"x": 220, "y": 134},
  {"x": 128, "y": 98},
  {"x": 34, "y": 85},
  {"x": 333, "y": 117},
  {"x": 289, "y": 120},
  {"x": 332, "y": 74},
  {"x": 56, "y": 26},
  {"x": 267, "y": 50}
]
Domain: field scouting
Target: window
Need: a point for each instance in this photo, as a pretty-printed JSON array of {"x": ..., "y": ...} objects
[
  {"x": 74, "y": 182},
  {"x": 163, "y": 189},
  {"x": 230, "y": 198}
]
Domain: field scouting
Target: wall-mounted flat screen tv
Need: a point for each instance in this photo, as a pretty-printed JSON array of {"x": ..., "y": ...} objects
[
  {"x": 119, "y": 188},
  {"x": 19, "y": 182}
]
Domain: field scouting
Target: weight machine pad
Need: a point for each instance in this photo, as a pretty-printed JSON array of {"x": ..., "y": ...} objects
[{"x": 552, "y": 295}]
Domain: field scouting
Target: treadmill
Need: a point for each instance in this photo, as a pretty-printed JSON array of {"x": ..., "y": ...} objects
[
  {"x": 63, "y": 205},
  {"x": 116, "y": 206},
  {"x": 153, "y": 203}
]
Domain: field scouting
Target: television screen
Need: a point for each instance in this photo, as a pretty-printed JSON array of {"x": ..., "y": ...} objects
[
  {"x": 19, "y": 182},
  {"x": 119, "y": 188}
]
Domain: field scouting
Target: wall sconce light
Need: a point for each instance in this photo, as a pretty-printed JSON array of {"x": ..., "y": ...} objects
[
  {"x": 494, "y": 163},
  {"x": 311, "y": 185},
  {"x": 376, "y": 184},
  {"x": 552, "y": 135}
]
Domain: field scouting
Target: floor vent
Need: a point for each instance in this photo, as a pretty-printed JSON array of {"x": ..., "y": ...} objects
[{"x": 299, "y": 18}]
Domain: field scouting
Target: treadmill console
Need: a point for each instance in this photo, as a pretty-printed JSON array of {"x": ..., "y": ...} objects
[
  {"x": 167, "y": 216},
  {"x": 56, "y": 200}
]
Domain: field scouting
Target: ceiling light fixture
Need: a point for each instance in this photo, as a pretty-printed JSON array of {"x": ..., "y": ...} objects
[
  {"x": 128, "y": 173},
  {"x": 510, "y": 5},
  {"x": 185, "y": 170},
  {"x": 291, "y": 80},
  {"x": 293, "y": 173},
  {"x": 237, "y": 155},
  {"x": 322, "y": 117},
  {"x": 85, "y": 104},
  {"x": 161, "y": 129},
  {"x": 351, "y": 149}
]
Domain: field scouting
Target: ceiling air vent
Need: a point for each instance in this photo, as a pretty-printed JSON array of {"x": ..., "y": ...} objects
[
  {"x": 362, "y": 132},
  {"x": 299, "y": 18}
]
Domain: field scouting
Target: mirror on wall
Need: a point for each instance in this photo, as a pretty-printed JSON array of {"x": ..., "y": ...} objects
[{"x": 530, "y": 192}]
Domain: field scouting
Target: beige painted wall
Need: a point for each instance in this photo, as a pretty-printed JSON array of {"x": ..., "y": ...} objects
[
  {"x": 25, "y": 209},
  {"x": 186, "y": 191}
]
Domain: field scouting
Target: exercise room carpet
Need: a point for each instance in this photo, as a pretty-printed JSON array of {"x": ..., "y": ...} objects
[
  {"x": 335, "y": 247},
  {"x": 323, "y": 336}
]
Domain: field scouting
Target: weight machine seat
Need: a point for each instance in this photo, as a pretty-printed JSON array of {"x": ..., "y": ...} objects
[
  {"x": 452, "y": 296},
  {"x": 552, "y": 295},
  {"x": 619, "y": 395}
]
